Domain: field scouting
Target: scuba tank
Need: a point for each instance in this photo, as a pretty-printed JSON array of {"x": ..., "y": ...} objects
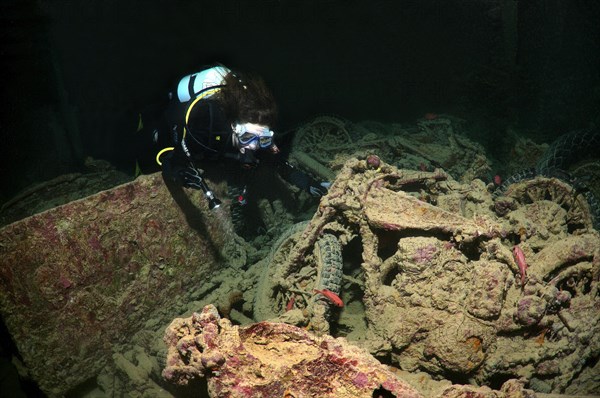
[{"x": 191, "y": 85}]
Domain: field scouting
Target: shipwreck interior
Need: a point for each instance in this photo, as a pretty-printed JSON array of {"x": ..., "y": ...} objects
[{"x": 461, "y": 140}]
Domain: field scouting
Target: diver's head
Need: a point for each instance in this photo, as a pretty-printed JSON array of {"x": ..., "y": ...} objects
[{"x": 252, "y": 111}]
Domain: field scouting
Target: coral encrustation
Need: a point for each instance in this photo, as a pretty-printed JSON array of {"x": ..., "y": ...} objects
[{"x": 271, "y": 359}]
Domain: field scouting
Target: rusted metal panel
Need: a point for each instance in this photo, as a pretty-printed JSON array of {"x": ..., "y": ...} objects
[{"x": 84, "y": 276}]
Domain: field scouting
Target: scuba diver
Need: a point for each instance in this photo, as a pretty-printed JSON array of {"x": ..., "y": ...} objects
[{"x": 217, "y": 114}]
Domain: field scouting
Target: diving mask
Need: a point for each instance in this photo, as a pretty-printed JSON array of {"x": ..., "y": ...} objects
[{"x": 253, "y": 136}]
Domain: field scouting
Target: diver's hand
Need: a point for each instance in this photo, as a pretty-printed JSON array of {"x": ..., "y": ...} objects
[
  {"x": 319, "y": 189},
  {"x": 190, "y": 177}
]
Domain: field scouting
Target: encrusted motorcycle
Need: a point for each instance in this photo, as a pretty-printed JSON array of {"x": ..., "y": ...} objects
[{"x": 452, "y": 280}]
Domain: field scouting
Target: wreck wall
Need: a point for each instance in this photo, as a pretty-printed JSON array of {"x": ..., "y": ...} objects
[{"x": 78, "y": 279}]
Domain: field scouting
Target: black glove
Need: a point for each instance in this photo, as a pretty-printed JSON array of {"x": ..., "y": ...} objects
[
  {"x": 302, "y": 180},
  {"x": 189, "y": 177},
  {"x": 318, "y": 189}
]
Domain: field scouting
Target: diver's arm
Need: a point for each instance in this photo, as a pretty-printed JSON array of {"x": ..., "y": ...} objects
[{"x": 302, "y": 180}]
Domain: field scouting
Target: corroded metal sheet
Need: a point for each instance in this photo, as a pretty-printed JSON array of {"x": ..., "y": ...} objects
[{"x": 79, "y": 278}]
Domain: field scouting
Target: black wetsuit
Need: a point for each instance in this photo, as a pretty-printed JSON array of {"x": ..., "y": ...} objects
[{"x": 208, "y": 139}]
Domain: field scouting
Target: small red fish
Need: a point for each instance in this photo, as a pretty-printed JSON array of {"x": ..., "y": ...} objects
[
  {"x": 290, "y": 304},
  {"x": 520, "y": 260},
  {"x": 497, "y": 179},
  {"x": 331, "y": 296},
  {"x": 430, "y": 116}
]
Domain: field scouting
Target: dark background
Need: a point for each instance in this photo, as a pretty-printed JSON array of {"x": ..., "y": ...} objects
[{"x": 75, "y": 73}]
